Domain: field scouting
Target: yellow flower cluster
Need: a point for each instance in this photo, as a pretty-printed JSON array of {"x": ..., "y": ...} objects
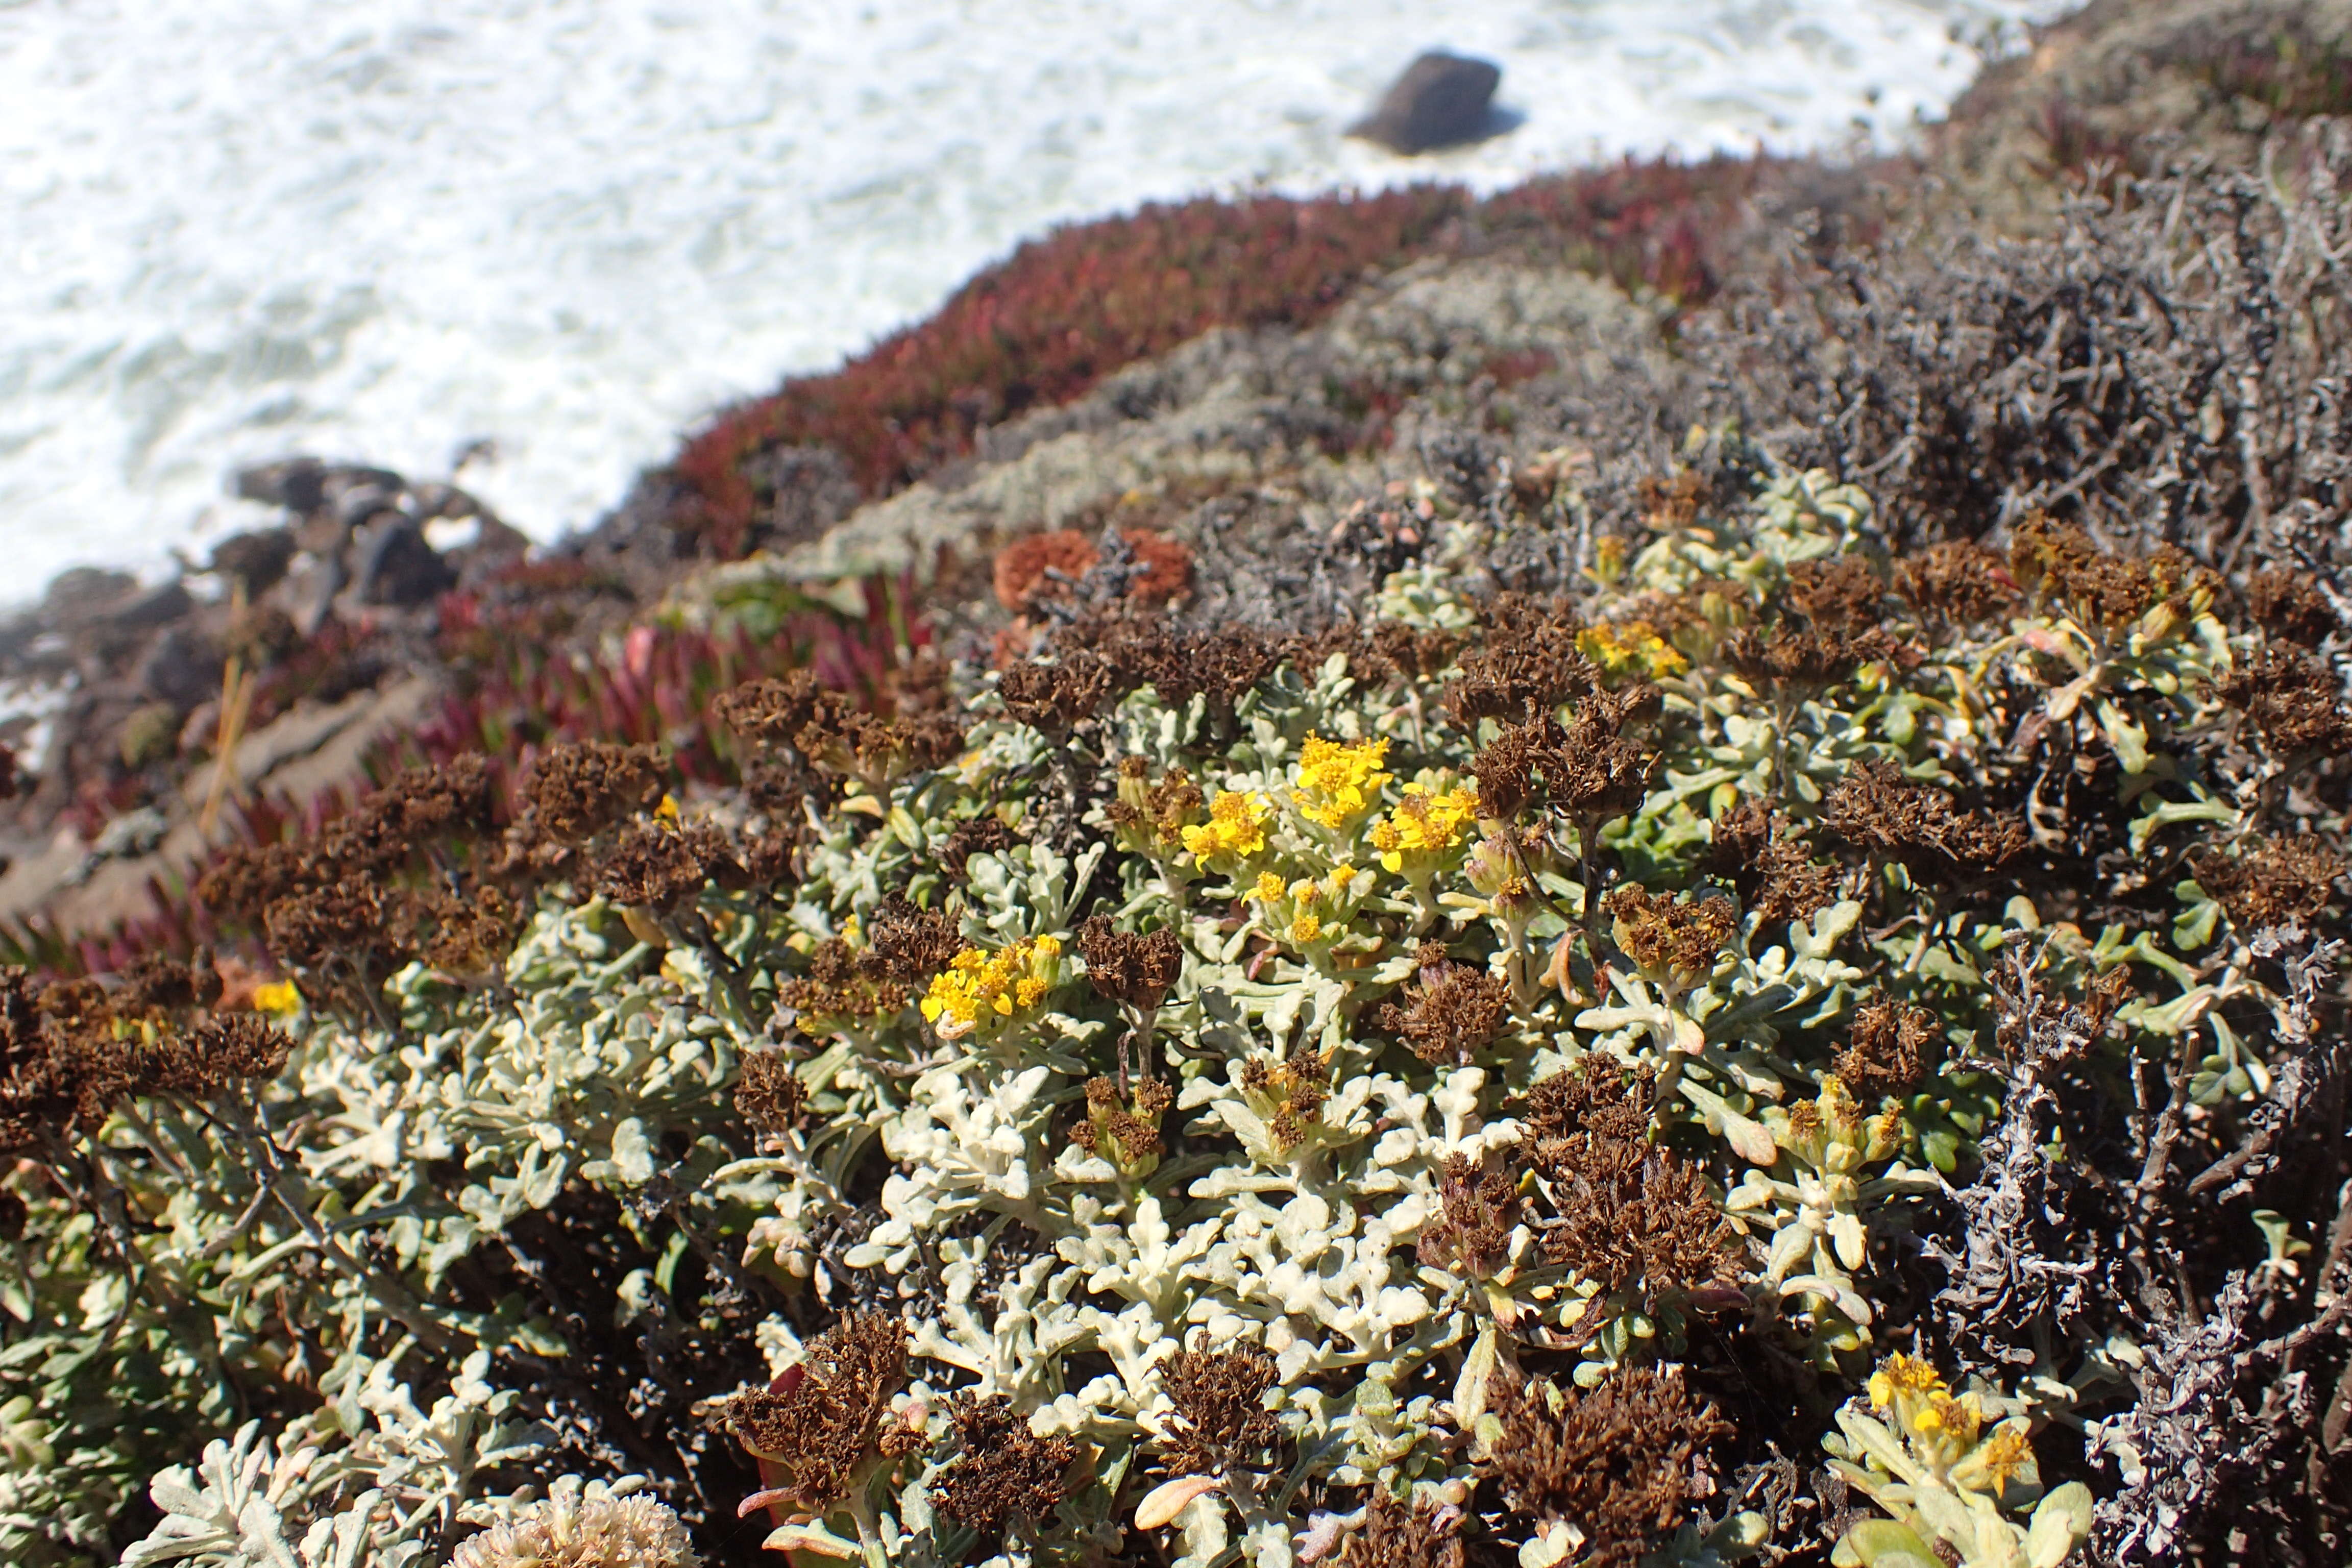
[
  {"x": 1298, "y": 911},
  {"x": 981, "y": 991},
  {"x": 1423, "y": 826},
  {"x": 278, "y": 997},
  {"x": 1337, "y": 784},
  {"x": 1633, "y": 647},
  {"x": 1949, "y": 1433},
  {"x": 1236, "y": 826}
]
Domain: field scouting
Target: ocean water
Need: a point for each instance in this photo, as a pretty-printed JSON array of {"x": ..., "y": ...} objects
[{"x": 561, "y": 232}]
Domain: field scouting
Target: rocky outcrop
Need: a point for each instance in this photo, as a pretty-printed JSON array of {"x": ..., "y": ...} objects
[{"x": 1441, "y": 101}]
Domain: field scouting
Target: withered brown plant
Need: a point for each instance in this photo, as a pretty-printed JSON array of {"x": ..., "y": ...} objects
[
  {"x": 1450, "y": 1010},
  {"x": 1759, "y": 851},
  {"x": 1886, "y": 1048},
  {"x": 1002, "y": 1470},
  {"x": 579, "y": 789},
  {"x": 2271, "y": 882},
  {"x": 822, "y": 1421},
  {"x": 1221, "y": 1423},
  {"x": 1624, "y": 1210},
  {"x": 1876, "y": 809},
  {"x": 1620, "y": 1462}
]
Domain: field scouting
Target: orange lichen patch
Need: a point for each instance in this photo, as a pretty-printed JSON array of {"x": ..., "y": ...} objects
[{"x": 1039, "y": 566}]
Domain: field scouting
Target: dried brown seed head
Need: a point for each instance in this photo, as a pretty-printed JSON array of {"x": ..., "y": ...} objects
[
  {"x": 1840, "y": 595},
  {"x": 2271, "y": 882},
  {"x": 2291, "y": 605},
  {"x": 1886, "y": 1048},
  {"x": 822, "y": 1428},
  {"x": 1221, "y": 1421},
  {"x": 1759, "y": 853},
  {"x": 1876, "y": 809},
  {"x": 1136, "y": 970},
  {"x": 1450, "y": 1012},
  {"x": 767, "y": 1093},
  {"x": 1956, "y": 581},
  {"x": 1002, "y": 1472},
  {"x": 2294, "y": 701},
  {"x": 579, "y": 789},
  {"x": 1620, "y": 1462},
  {"x": 908, "y": 943},
  {"x": 652, "y": 865},
  {"x": 1473, "y": 1237}
]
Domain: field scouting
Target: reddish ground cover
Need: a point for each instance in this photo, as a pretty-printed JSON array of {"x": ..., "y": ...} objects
[{"x": 1063, "y": 312}]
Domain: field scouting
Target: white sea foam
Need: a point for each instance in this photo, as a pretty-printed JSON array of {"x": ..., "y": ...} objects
[{"x": 382, "y": 229}]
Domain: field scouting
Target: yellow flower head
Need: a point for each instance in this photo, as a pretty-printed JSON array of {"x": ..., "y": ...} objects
[
  {"x": 1633, "y": 647},
  {"x": 1902, "y": 1374},
  {"x": 1236, "y": 826},
  {"x": 1338, "y": 783},
  {"x": 1305, "y": 929},
  {"x": 980, "y": 992},
  {"x": 1423, "y": 824},
  {"x": 279, "y": 997},
  {"x": 2004, "y": 1455},
  {"x": 1270, "y": 888}
]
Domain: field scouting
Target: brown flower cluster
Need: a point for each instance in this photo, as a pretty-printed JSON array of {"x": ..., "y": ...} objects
[
  {"x": 1793, "y": 659},
  {"x": 832, "y": 734},
  {"x": 1137, "y": 970},
  {"x": 1875, "y": 808},
  {"x": 1759, "y": 851},
  {"x": 767, "y": 1093},
  {"x": 1002, "y": 1472},
  {"x": 1298, "y": 1085},
  {"x": 1589, "y": 770},
  {"x": 2050, "y": 560},
  {"x": 908, "y": 943},
  {"x": 659, "y": 866},
  {"x": 335, "y": 902},
  {"x": 1665, "y": 935},
  {"x": 1450, "y": 1009},
  {"x": 1473, "y": 1237},
  {"x": 1402, "y": 1533},
  {"x": 823, "y": 1420},
  {"x": 1124, "y": 1131},
  {"x": 579, "y": 789},
  {"x": 1221, "y": 1423},
  {"x": 1619, "y": 1462},
  {"x": 2291, "y": 605},
  {"x": 70, "y": 1050},
  {"x": 1524, "y": 667},
  {"x": 1957, "y": 582},
  {"x": 2293, "y": 699},
  {"x": 1886, "y": 1048},
  {"x": 2271, "y": 882},
  {"x": 844, "y": 984},
  {"x": 1624, "y": 1210},
  {"x": 1837, "y": 598}
]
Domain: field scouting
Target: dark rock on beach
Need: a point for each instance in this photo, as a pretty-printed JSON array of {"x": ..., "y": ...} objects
[{"x": 1441, "y": 101}]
